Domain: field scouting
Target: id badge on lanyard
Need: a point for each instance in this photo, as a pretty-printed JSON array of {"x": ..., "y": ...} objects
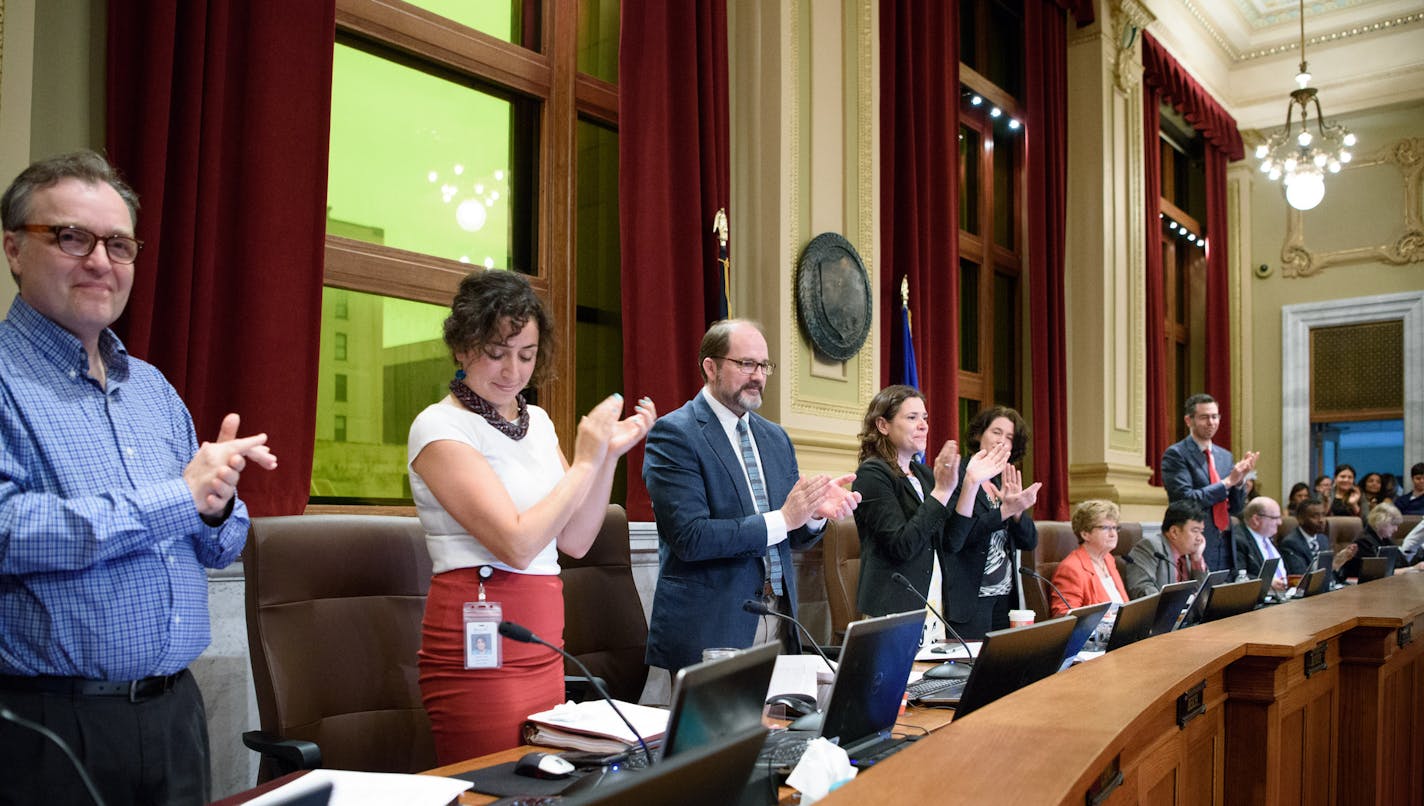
[{"x": 482, "y": 620}]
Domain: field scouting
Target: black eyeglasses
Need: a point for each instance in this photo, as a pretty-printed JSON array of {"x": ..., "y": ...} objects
[
  {"x": 748, "y": 366},
  {"x": 81, "y": 242}
]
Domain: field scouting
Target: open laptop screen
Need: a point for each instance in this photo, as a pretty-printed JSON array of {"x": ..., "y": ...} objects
[
  {"x": 870, "y": 681},
  {"x": 717, "y": 699}
]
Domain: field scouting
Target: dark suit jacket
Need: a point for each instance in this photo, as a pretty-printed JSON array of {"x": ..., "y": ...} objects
[
  {"x": 966, "y": 549},
  {"x": 1367, "y": 544},
  {"x": 898, "y": 534},
  {"x": 711, "y": 540},
  {"x": 1298, "y": 549},
  {"x": 1248, "y": 553},
  {"x": 1184, "y": 474}
]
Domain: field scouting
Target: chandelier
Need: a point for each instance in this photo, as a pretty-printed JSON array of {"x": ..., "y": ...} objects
[{"x": 1296, "y": 156}]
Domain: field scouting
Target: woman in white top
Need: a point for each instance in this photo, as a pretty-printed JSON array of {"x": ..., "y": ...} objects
[{"x": 498, "y": 500}]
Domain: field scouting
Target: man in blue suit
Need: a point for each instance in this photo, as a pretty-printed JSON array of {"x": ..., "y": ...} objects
[
  {"x": 1215, "y": 485},
  {"x": 730, "y": 505}
]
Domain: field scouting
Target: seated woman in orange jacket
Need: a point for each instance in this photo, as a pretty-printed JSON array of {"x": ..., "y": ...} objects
[{"x": 1089, "y": 575}]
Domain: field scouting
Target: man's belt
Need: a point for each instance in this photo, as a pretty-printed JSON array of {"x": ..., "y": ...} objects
[{"x": 133, "y": 690}]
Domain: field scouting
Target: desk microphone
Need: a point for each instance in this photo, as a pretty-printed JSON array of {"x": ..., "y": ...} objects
[
  {"x": 518, "y": 632},
  {"x": 10, "y": 716},
  {"x": 760, "y": 608},
  {"x": 958, "y": 668},
  {"x": 1029, "y": 572}
]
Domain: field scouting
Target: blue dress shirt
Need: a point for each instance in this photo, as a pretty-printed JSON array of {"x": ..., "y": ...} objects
[{"x": 102, "y": 550}]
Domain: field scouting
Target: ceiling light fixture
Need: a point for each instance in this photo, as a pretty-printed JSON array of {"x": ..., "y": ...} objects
[{"x": 1295, "y": 156}]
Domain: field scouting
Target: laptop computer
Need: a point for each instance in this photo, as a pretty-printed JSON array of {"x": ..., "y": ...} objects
[
  {"x": 711, "y": 775},
  {"x": 1314, "y": 583},
  {"x": 1232, "y": 598},
  {"x": 1266, "y": 577},
  {"x": 1009, "y": 660},
  {"x": 717, "y": 699},
  {"x": 1134, "y": 621},
  {"x": 1372, "y": 568},
  {"x": 1174, "y": 599},
  {"x": 866, "y": 695},
  {"x": 1201, "y": 599},
  {"x": 1089, "y": 617}
]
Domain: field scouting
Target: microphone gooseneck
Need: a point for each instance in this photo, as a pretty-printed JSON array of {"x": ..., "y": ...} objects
[
  {"x": 1026, "y": 571},
  {"x": 760, "y": 609},
  {"x": 518, "y": 632},
  {"x": 900, "y": 579}
]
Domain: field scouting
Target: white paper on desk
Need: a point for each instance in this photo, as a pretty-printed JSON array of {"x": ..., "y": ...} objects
[
  {"x": 369, "y": 789},
  {"x": 952, "y": 650},
  {"x": 796, "y": 674}
]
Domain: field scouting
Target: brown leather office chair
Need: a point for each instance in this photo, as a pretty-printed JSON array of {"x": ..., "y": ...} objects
[
  {"x": 604, "y": 625},
  {"x": 334, "y": 605},
  {"x": 840, "y": 556}
]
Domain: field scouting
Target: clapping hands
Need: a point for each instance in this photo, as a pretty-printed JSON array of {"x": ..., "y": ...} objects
[
  {"x": 946, "y": 472},
  {"x": 1014, "y": 498}
]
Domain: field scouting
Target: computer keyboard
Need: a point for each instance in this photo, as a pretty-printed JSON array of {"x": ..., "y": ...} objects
[
  {"x": 925, "y": 688},
  {"x": 783, "y": 750}
]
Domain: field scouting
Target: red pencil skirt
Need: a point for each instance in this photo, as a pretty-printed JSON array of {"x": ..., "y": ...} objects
[{"x": 478, "y": 711}]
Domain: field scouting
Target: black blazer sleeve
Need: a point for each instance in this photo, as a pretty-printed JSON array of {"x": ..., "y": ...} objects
[{"x": 890, "y": 517}]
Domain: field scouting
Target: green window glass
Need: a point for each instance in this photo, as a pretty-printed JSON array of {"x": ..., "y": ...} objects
[{"x": 504, "y": 20}]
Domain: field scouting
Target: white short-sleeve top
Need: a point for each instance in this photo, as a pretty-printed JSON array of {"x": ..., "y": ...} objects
[{"x": 528, "y": 468}]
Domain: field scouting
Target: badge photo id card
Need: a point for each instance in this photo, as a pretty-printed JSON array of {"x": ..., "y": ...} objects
[{"x": 482, "y": 635}]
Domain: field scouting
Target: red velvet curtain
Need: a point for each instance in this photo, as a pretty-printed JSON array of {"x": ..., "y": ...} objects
[
  {"x": 219, "y": 115},
  {"x": 1159, "y": 408},
  {"x": 673, "y": 176},
  {"x": 1163, "y": 74},
  {"x": 919, "y": 195},
  {"x": 1046, "y": 146}
]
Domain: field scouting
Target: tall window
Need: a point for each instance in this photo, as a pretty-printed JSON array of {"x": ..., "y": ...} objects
[
  {"x": 1183, "y": 245},
  {"x": 991, "y": 209},
  {"x": 461, "y": 138}
]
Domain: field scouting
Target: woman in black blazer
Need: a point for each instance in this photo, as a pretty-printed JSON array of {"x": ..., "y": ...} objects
[
  {"x": 990, "y": 524},
  {"x": 904, "y": 504}
]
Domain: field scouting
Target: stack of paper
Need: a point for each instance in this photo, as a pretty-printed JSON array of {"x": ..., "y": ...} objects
[{"x": 593, "y": 726}]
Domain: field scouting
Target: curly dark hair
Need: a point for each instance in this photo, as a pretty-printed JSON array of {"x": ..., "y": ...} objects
[
  {"x": 985, "y": 418},
  {"x": 492, "y": 305},
  {"x": 886, "y": 403}
]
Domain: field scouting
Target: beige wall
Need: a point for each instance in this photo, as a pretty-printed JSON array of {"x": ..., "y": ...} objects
[
  {"x": 51, "y": 87},
  {"x": 1361, "y": 207}
]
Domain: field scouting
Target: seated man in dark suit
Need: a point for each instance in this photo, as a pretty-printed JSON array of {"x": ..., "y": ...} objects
[
  {"x": 1299, "y": 547},
  {"x": 1254, "y": 537},
  {"x": 1175, "y": 555}
]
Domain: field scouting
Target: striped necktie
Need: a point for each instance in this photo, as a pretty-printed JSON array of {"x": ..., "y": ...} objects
[{"x": 749, "y": 460}]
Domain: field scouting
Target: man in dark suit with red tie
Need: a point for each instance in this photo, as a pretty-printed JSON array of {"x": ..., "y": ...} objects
[{"x": 1198, "y": 471}]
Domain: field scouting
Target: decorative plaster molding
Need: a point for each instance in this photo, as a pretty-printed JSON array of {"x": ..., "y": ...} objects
[
  {"x": 1297, "y": 260},
  {"x": 1296, "y": 323},
  {"x": 1131, "y": 18},
  {"x": 1237, "y": 56}
]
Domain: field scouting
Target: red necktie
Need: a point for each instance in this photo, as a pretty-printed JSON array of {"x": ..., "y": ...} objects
[
  {"x": 1219, "y": 515},
  {"x": 1183, "y": 570}
]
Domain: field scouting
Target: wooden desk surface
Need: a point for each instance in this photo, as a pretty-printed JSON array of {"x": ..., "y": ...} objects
[{"x": 1049, "y": 742}]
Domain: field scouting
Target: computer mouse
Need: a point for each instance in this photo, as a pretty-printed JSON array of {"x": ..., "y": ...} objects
[
  {"x": 542, "y": 765},
  {"x": 947, "y": 671},
  {"x": 794, "y": 703}
]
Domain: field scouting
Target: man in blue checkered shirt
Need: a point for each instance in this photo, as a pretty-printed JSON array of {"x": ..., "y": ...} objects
[{"x": 109, "y": 512}]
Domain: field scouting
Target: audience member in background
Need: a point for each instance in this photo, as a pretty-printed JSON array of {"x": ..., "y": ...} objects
[
  {"x": 1346, "y": 499},
  {"x": 1389, "y": 487},
  {"x": 1089, "y": 574},
  {"x": 904, "y": 507},
  {"x": 991, "y": 523},
  {"x": 1380, "y": 526},
  {"x": 1199, "y": 471},
  {"x": 1299, "y": 491},
  {"x": 1175, "y": 555},
  {"x": 1255, "y": 536},
  {"x": 498, "y": 500},
  {"x": 1370, "y": 489},
  {"x": 1324, "y": 489},
  {"x": 1412, "y": 502},
  {"x": 1251, "y": 486},
  {"x": 1298, "y": 549}
]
